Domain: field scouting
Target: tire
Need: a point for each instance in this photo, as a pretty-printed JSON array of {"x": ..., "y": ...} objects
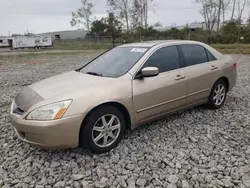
[
  {"x": 93, "y": 128},
  {"x": 219, "y": 87}
]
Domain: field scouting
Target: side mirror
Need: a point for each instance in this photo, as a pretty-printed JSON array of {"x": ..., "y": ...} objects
[{"x": 149, "y": 71}]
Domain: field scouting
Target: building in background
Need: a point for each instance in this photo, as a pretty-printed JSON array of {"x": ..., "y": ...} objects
[
  {"x": 67, "y": 35},
  {"x": 194, "y": 25},
  {"x": 161, "y": 29}
]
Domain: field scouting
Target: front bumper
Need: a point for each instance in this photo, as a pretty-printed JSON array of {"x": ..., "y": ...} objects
[{"x": 58, "y": 134}]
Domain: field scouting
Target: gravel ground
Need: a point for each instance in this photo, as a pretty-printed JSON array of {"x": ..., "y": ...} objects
[{"x": 195, "y": 148}]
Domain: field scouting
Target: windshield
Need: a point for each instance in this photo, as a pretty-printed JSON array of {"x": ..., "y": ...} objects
[{"x": 115, "y": 62}]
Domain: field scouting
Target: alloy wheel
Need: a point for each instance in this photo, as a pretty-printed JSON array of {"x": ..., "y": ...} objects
[
  {"x": 106, "y": 130},
  {"x": 219, "y": 94}
]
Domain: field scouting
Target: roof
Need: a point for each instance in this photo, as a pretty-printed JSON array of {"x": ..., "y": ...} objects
[
  {"x": 150, "y": 44},
  {"x": 76, "y": 30},
  {"x": 67, "y": 34}
]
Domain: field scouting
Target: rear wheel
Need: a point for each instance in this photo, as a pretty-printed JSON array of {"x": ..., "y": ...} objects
[
  {"x": 103, "y": 129},
  {"x": 217, "y": 96}
]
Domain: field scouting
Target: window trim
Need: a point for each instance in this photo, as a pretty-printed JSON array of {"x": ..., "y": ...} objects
[
  {"x": 180, "y": 60},
  {"x": 215, "y": 59},
  {"x": 184, "y": 60}
]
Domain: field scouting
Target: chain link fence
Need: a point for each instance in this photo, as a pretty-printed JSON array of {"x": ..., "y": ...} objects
[{"x": 104, "y": 42}]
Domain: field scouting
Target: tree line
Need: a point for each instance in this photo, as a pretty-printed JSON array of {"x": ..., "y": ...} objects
[
  {"x": 128, "y": 19},
  {"x": 132, "y": 13}
]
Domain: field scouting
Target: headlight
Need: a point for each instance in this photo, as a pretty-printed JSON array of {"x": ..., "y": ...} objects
[{"x": 49, "y": 112}]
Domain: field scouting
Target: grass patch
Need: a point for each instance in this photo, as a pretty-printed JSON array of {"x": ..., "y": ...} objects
[
  {"x": 71, "y": 48},
  {"x": 98, "y": 46},
  {"x": 234, "y": 51},
  {"x": 82, "y": 46},
  {"x": 223, "y": 48},
  {"x": 231, "y": 46},
  {"x": 50, "y": 53}
]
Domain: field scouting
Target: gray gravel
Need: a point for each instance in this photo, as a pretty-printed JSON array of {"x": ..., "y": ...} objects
[{"x": 195, "y": 148}]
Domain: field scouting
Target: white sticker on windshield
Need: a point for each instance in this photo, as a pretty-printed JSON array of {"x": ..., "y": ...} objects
[{"x": 141, "y": 50}]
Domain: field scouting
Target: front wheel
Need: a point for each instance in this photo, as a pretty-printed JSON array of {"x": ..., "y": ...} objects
[
  {"x": 103, "y": 129},
  {"x": 217, "y": 96}
]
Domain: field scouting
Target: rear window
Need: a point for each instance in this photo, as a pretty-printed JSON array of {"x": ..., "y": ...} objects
[{"x": 194, "y": 54}]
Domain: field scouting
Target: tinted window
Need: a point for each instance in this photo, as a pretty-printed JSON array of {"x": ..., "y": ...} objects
[
  {"x": 210, "y": 56},
  {"x": 115, "y": 62},
  {"x": 193, "y": 54},
  {"x": 165, "y": 59}
]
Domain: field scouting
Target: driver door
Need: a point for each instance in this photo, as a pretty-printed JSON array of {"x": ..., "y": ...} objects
[{"x": 164, "y": 93}]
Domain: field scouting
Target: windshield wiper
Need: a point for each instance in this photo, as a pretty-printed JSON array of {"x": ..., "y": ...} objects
[{"x": 94, "y": 73}]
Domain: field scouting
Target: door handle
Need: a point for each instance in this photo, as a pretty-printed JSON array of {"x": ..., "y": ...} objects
[
  {"x": 213, "y": 67},
  {"x": 179, "y": 77}
]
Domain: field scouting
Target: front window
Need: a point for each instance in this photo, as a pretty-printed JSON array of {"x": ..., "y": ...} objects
[
  {"x": 115, "y": 62},
  {"x": 165, "y": 59}
]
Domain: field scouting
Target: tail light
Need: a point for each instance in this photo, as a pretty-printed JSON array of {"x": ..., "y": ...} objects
[{"x": 235, "y": 65}]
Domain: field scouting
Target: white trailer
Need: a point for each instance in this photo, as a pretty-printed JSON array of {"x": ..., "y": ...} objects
[
  {"x": 35, "y": 41},
  {"x": 43, "y": 41},
  {"x": 23, "y": 42},
  {"x": 4, "y": 42}
]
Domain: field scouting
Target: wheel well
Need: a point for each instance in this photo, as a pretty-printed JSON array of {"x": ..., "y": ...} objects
[
  {"x": 120, "y": 107},
  {"x": 226, "y": 81}
]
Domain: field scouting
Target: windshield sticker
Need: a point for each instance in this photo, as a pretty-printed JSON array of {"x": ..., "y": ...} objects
[{"x": 141, "y": 50}]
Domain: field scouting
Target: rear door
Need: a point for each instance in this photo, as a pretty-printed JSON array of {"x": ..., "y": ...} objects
[
  {"x": 213, "y": 68},
  {"x": 166, "y": 92},
  {"x": 197, "y": 71}
]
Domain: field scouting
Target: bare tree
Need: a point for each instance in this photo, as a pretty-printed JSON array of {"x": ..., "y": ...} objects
[
  {"x": 241, "y": 7},
  {"x": 219, "y": 14},
  {"x": 234, "y": 4},
  {"x": 209, "y": 12},
  {"x": 135, "y": 14},
  {"x": 147, "y": 6},
  {"x": 225, "y": 7},
  {"x": 83, "y": 15},
  {"x": 140, "y": 10},
  {"x": 122, "y": 9},
  {"x": 142, "y": 7}
]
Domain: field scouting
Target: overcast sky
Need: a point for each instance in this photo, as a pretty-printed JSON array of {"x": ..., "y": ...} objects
[{"x": 37, "y": 16}]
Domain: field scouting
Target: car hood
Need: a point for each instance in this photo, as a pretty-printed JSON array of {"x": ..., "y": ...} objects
[
  {"x": 70, "y": 85},
  {"x": 67, "y": 82}
]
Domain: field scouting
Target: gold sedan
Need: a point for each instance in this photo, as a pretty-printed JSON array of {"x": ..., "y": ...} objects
[{"x": 126, "y": 86}]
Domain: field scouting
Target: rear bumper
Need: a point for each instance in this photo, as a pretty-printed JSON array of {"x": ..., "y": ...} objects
[
  {"x": 232, "y": 79},
  {"x": 57, "y": 134}
]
